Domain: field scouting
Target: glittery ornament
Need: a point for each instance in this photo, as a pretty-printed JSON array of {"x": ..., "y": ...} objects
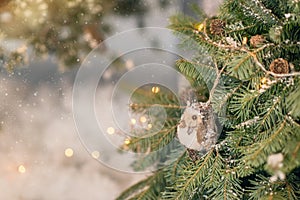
[{"x": 198, "y": 127}]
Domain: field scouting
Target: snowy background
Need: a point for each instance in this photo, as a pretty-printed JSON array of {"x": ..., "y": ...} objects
[{"x": 41, "y": 156}]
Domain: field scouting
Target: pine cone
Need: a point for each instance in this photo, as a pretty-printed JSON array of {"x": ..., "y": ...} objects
[
  {"x": 256, "y": 40},
  {"x": 217, "y": 27},
  {"x": 279, "y": 66},
  {"x": 193, "y": 154}
]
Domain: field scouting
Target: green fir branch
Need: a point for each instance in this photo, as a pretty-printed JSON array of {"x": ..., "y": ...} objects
[
  {"x": 258, "y": 120},
  {"x": 250, "y": 12},
  {"x": 148, "y": 188},
  {"x": 154, "y": 141},
  {"x": 228, "y": 188},
  {"x": 215, "y": 172},
  {"x": 262, "y": 189},
  {"x": 198, "y": 71},
  {"x": 274, "y": 140},
  {"x": 186, "y": 183},
  {"x": 292, "y": 150},
  {"x": 293, "y": 102}
]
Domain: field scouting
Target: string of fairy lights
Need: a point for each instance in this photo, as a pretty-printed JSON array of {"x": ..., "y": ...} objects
[{"x": 137, "y": 121}]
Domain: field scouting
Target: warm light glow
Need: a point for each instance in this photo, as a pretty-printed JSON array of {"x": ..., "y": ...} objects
[
  {"x": 129, "y": 64},
  {"x": 155, "y": 90},
  {"x": 149, "y": 126},
  {"x": 245, "y": 40},
  {"x": 133, "y": 121},
  {"x": 143, "y": 119},
  {"x": 22, "y": 169},
  {"x": 264, "y": 80},
  {"x": 110, "y": 130},
  {"x": 199, "y": 27},
  {"x": 127, "y": 141},
  {"x": 95, "y": 154},
  {"x": 69, "y": 152}
]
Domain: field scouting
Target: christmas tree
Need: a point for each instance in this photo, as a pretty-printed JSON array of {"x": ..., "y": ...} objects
[
  {"x": 238, "y": 136},
  {"x": 68, "y": 30}
]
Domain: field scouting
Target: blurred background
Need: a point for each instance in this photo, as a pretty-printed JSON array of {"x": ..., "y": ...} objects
[{"x": 42, "y": 45}]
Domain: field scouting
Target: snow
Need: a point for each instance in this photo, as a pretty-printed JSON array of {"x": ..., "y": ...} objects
[
  {"x": 41, "y": 154},
  {"x": 36, "y": 137}
]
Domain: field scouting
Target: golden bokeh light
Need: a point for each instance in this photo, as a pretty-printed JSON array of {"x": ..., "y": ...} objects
[
  {"x": 149, "y": 126},
  {"x": 96, "y": 154},
  {"x": 143, "y": 119},
  {"x": 264, "y": 80},
  {"x": 199, "y": 27},
  {"x": 22, "y": 169},
  {"x": 245, "y": 40},
  {"x": 129, "y": 64},
  {"x": 155, "y": 90},
  {"x": 133, "y": 121},
  {"x": 127, "y": 141},
  {"x": 69, "y": 152},
  {"x": 110, "y": 130}
]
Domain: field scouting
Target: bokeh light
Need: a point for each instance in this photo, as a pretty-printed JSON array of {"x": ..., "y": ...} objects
[
  {"x": 155, "y": 90},
  {"x": 21, "y": 169},
  {"x": 69, "y": 152}
]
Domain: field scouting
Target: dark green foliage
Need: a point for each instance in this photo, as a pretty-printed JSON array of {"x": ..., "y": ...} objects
[
  {"x": 149, "y": 188},
  {"x": 261, "y": 188},
  {"x": 66, "y": 29},
  {"x": 129, "y": 7},
  {"x": 259, "y": 110}
]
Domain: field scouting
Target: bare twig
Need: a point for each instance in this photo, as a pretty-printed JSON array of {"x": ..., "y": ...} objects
[
  {"x": 216, "y": 82},
  {"x": 272, "y": 73}
]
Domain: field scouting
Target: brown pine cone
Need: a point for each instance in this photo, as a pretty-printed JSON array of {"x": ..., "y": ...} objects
[
  {"x": 279, "y": 66},
  {"x": 217, "y": 27},
  {"x": 257, "y": 40}
]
